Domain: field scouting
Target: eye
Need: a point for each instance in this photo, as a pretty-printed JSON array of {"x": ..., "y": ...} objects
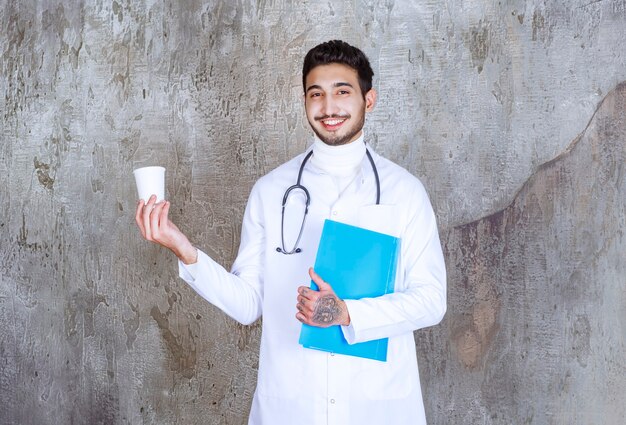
[{"x": 343, "y": 92}]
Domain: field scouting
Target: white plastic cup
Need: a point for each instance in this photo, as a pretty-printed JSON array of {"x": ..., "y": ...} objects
[{"x": 150, "y": 181}]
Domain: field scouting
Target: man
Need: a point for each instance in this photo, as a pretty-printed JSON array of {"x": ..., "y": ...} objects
[{"x": 344, "y": 178}]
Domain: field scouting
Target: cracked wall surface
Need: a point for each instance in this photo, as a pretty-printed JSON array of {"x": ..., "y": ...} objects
[
  {"x": 536, "y": 332},
  {"x": 511, "y": 113}
]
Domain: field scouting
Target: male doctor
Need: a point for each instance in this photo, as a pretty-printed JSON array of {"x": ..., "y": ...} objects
[{"x": 347, "y": 182}]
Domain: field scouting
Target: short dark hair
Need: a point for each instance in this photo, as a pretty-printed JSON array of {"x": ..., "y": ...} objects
[{"x": 337, "y": 51}]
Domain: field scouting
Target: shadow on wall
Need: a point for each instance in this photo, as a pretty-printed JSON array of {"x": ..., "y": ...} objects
[{"x": 536, "y": 324}]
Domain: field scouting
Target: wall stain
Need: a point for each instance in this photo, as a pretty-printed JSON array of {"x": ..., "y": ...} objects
[
  {"x": 13, "y": 69},
  {"x": 479, "y": 42},
  {"x": 131, "y": 326},
  {"x": 43, "y": 174},
  {"x": 128, "y": 145},
  {"x": 22, "y": 239},
  {"x": 477, "y": 325},
  {"x": 542, "y": 28},
  {"x": 82, "y": 305},
  {"x": 98, "y": 169},
  {"x": 580, "y": 331},
  {"x": 117, "y": 10},
  {"x": 248, "y": 333},
  {"x": 182, "y": 348}
]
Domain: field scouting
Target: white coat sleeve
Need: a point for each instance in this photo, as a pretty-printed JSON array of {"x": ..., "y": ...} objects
[
  {"x": 238, "y": 293},
  {"x": 420, "y": 299}
]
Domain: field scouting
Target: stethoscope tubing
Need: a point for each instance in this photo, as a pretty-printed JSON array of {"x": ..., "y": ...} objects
[{"x": 299, "y": 186}]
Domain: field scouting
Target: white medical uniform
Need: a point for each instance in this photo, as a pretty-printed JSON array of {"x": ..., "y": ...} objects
[{"x": 304, "y": 386}]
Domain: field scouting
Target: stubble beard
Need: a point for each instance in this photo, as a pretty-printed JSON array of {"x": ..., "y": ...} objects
[{"x": 339, "y": 140}]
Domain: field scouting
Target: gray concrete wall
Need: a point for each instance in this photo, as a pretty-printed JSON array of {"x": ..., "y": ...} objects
[{"x": 512, "y": 114}]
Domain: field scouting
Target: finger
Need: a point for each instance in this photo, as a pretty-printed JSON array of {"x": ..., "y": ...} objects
[
  {"x": 301, "y": 301},
  {"x": 302, "y": 317},
  {"x": 155, "y": 223},
  {"x": 306, "y": 292},
  {"x": 309, "y": 303},
  {"x": 138, "y": 220},
  {"x": 309, "y": 298},
  {"x": 163, "y": 219},
  {"x": 323, "y": 286},
  {"x": 146, "y": 216}
]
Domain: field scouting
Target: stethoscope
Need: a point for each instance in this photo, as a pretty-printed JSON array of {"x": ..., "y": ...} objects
[{"x": 307, "y": 197}]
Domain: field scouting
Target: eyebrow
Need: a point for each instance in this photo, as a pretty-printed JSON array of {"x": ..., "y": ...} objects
[{"x": 335, "y": 85}]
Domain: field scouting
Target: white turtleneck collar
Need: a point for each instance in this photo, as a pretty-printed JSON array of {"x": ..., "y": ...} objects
[{"x": 339, "y": 161}]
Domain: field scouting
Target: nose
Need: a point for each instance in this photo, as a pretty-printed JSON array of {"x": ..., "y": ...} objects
[{"x": 330, "y": 106}]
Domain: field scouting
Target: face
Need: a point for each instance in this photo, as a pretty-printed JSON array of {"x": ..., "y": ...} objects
[{"x": 334, "y": 104}]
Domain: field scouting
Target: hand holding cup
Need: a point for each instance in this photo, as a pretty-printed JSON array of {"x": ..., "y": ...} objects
[{"x": 152, "y": 216}]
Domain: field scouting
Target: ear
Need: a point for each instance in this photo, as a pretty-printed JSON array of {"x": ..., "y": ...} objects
[{"x": 370, "y": 100}]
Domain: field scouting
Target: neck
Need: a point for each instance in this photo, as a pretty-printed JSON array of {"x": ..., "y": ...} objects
[{"x": 338, "y": 161}]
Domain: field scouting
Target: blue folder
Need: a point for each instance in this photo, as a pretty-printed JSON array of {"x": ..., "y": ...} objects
[{"x": 357, "y": 263}]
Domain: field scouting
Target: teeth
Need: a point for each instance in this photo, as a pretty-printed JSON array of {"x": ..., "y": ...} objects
[{"x": 333, "y": 122}]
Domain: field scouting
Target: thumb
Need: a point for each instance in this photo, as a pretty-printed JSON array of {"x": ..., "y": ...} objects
[{"x": 323, "y": 286}]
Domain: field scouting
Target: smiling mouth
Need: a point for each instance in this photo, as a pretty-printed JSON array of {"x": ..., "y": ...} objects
[{"x": 331, "y": 123}]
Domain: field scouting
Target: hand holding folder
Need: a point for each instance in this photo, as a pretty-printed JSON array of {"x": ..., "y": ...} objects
[
  {"x": 321, "y": 307},
  {"x": 357, "y": 263}
]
